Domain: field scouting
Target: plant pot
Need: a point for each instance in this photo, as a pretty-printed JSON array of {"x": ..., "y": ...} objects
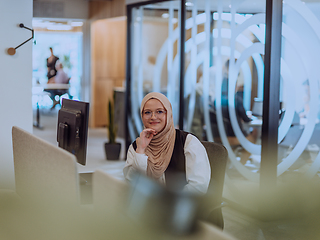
[{"x": 112, "y": 150}]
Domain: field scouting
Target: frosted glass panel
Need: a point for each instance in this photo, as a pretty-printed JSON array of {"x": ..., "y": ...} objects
[
  {"x": 299, "y": 140},
  {"x": 155, "y": 57}
]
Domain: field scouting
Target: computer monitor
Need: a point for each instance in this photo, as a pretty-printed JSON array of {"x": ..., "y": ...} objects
[
  {"x": 72, "y": 129},
  {"x": 257, "y": 107}
]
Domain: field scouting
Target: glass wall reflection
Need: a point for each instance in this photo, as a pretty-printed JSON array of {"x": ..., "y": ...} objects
[
  {"x": 299, "y": 131},
  {"x": 224, "y": 74},
  {"x": 224, "y": 79},
  {"x": 155, "y": 57}
]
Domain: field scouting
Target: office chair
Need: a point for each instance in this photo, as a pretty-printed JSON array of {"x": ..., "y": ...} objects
[{"x": 218, "y": 157}]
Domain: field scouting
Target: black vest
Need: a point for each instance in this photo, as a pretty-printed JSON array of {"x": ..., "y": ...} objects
[{"x": 175, "y": 174}]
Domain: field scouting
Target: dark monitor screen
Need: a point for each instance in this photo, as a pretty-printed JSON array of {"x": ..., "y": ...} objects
[
  {"x": 72, "y": 129},
  {"x": 257, "y": 107}
]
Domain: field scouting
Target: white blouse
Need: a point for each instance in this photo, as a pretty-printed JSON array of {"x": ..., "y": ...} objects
[{"x": 198, "y": 172}]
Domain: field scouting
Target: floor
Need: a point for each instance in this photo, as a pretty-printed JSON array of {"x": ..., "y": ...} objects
[{"x": 237, "y": 224}]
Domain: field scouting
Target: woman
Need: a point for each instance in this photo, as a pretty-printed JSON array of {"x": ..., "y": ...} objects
[
  {"x": 51, "y": 64},
  {"x": 173, "y": 157}
]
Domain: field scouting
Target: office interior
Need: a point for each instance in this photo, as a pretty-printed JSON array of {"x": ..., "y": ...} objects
[{"x": 134, "y": 47}]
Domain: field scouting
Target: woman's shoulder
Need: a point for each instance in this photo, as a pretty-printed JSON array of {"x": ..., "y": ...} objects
[
  {"x": 181, "y": 132},
  {"x": 188, "y": 139},
  {"x": 185, "y": 134},
  {"x": 134, "y": 144}
]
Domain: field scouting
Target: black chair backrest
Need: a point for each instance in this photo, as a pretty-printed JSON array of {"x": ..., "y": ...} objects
[{"x": 218, "y": 156}]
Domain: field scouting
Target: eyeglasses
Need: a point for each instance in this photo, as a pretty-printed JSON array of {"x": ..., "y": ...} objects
[{"x": 157, "y": 114}]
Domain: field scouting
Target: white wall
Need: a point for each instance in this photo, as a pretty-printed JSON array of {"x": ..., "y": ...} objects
[{"x": 15, "y": 80}]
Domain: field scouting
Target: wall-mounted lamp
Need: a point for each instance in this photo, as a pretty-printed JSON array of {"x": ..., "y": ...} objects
[{"x": 12, "y": 51}]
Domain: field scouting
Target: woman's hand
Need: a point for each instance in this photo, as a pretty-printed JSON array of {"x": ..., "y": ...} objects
[{"x": 145, "y": 137}]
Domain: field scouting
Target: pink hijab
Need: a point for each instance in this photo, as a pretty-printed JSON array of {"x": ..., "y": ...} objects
[{"x": 160, "y": 148}]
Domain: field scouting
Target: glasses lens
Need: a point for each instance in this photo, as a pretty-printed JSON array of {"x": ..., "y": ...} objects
[{"x": 158, "y": 113}]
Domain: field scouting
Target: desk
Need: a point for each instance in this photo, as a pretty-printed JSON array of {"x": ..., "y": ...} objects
[
  {"x": 55, "y": 86},
  {"x": 114, "y": 168},
  {"x": 256, "y": 122},
  {"x": 38, "y": 88},
  {"x": 57, "y": 89}
]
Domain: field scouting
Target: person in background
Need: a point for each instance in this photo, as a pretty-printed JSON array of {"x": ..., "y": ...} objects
[
  {"x": 51, "y": 64},
  {"x": 175, "y": 158},
  {"x": 60, "y": 78}
]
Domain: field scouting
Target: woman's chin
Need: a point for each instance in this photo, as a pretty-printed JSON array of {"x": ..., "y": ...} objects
[
  {"x": 158, "y": 130},
  {"x": 154, "y": 128}
]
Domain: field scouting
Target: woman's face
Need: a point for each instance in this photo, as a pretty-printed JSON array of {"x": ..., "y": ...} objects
[{"x": 154, "y": 115}]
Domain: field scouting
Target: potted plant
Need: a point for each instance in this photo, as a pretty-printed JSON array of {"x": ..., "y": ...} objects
[
  {"x": 66, "y": 63},
  {"x": 112, "y": 148}
]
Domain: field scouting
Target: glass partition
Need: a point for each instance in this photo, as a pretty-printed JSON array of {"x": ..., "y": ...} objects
[
  {"x": 155, "y": 57},
  {"x": 223, "y": 82},
  {"x": 224, "y": 76},
  {"x": 299, "y": 131}
]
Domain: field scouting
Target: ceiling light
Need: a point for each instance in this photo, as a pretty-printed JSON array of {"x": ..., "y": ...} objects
[
  {"x": 165, "y": 15},
  {"x": 76, "y": 24},
  {"x": 59, "y": 27},
  {"x": 189, "y": 4}
]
